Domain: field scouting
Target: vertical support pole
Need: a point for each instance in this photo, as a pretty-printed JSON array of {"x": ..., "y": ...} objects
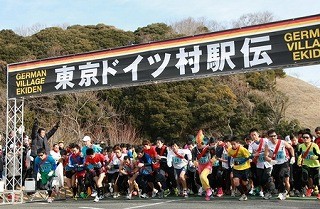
[{"x": 13, "y": 192}]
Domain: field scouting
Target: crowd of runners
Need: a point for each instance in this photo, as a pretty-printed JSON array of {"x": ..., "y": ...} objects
[{"x": 261, "y": 163}]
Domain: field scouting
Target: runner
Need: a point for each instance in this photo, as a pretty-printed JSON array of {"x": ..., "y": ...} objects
[
  {"x": 275, "y": 154},
  {"x": 308, "y": 153},
  {"x": 180, "y": 159},
  {"x": 203, "y": 160},
  {"x": 241, "y": 167},
  {"x": 263, "y": 168},
  {"x": 95, "y": 164}
]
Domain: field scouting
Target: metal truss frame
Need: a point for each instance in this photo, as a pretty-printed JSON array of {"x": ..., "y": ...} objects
[{"x": 12, "y": 191}]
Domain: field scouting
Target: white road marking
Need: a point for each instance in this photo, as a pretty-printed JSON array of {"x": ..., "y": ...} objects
[
  {"x": 149, "y": 205},
  {"x": 90, "y": 208}
]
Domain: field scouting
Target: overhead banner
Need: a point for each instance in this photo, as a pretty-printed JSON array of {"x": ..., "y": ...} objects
[{"x": 268, "y": 46}]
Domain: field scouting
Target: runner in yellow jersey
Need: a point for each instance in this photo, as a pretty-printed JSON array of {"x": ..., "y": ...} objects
[
  {"x": 241, "y": 167},
  {"x": 308, "y": 153}
]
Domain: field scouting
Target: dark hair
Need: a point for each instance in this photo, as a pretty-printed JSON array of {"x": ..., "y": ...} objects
[
  {"x": 126, "y": 157},
  {"x": 173, "y": 142},
  {"x": 72, "y": 145},
  {"x": 139, "y": 150},
  {"x": 317, "y": 129},
  {"x": 292, "y": 136},
  {"x": 234, "y": 139},
  {"x": 41, "y": 129},
  {"x": 226, "y": 138},
  {"x": 253, "y": 130},
  {"x": 189, "y": 142},
  {"x": 108, "y": 149},
  {"x": 271, "y": 131},
  {"x": 64, "y": 152},
  {"x": 76, "y": 146},
  {"x": 146, "y": 141},
  {"x": 41, "y": 151},
  {"x": 159, "y": 138},
  {"x": 89, "y": 151},
  {"x": 307, "y": 130},
  {"x": 212, "y": 140}
]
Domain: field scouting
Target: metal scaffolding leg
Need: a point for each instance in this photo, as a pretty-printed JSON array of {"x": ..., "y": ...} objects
[{"x": 12, "y": 192}]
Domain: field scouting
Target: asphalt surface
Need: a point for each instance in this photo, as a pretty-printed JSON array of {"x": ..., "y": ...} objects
[{"x": 171, "y": 203}]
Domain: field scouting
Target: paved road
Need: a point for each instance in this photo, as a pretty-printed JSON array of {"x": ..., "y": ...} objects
[{"x": 172, "y": 203}]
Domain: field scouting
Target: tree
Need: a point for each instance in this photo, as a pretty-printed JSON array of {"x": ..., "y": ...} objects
[
  {"x": 190, "y": 26},
  {"x": 253, "y": 19},
  {"x": 154, "y": 32}
]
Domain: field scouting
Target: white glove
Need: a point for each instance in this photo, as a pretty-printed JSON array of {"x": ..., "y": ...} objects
[
  {"x": 292, "y": 160},
  {"x": 273, "y": 162},
  {"x": 50, "y": 173},
  {"x": 38, "y": 176}
]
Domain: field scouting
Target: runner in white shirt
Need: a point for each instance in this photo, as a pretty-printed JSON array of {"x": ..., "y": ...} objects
[
  {"x": 179, "y": 159},
  {"x": 113, "y": 171},
  {"x": 263, "y": 168},
  {"x": 275, "y": 153}
]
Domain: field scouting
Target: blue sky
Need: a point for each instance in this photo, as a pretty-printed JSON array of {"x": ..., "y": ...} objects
[{"x": 131, "y": 14}]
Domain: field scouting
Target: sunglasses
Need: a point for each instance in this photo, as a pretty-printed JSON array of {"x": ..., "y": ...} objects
[{"x": 305, "y": 137}]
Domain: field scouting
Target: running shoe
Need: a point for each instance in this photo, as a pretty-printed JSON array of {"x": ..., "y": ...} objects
[
  {"x": 261, "y": 194},
  {"x": 233, "y": 194},
  {"x": 94, "y": 193},
  {"x": 166, "y": 192},
  {"x": 176, "y": 191},
  {"x": 309, "y": 192},
  {"x": 267, "y": 196},
  {"x": 129, "y": 196},
  {"x": 208, "y": 194},
  {"x": 83, "y": 195},
  {"x": 96, "y": 199},
  {"x": 161, "y": 194},
  {"x": 111, "y": 187},
  {"x": 243, "y": 198},
  {"x": 220, "y": 192},
  {"x": 154, "y": 193},
  {"x": 116, "y": 195},
  {"x": 185, "y": 194},
  {"x": 144, "y": 195}
]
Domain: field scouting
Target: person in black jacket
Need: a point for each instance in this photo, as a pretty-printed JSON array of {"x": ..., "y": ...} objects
[{"x": 40, "y": 137}]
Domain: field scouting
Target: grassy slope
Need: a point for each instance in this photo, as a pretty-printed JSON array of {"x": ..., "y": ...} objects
[{"x": 304, "y": 101}]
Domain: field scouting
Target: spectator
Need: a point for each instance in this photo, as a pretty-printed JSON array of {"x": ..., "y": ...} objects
[{"x": 40, "y": 138}]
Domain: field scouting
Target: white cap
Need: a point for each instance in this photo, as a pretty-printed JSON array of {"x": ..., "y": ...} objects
[{"x": 86, "y": 138}]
